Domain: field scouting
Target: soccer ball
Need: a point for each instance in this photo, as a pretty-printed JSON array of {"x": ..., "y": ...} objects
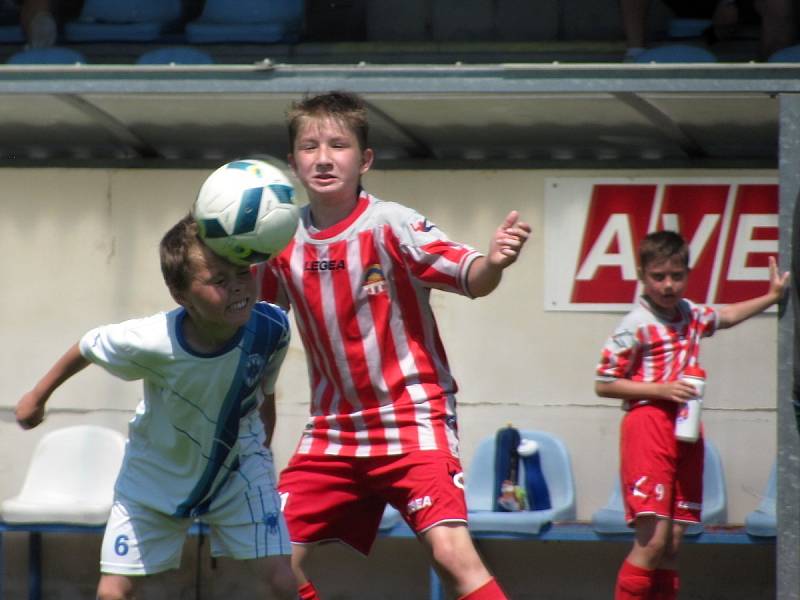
[{"x": 245, "y": 211}]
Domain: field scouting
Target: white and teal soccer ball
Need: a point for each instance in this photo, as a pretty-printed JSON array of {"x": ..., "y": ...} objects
[{"x": 245, "y": 211}]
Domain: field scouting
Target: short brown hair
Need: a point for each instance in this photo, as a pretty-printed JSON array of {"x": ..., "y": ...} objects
[
  {"x": 345, "y": 107},
  {"x": 176, "y": 250},
  {"x": 663, "y": 245}
]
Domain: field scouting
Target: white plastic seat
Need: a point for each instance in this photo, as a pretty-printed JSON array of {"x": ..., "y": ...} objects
[{"x": 70, "y": 478}]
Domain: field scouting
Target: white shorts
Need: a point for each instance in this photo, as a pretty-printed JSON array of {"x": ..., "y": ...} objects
[{"x": 245, "y": 522}]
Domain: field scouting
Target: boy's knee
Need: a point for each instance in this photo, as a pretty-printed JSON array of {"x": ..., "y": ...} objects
[
  {"x": 457, "y": 558},
  {"x": 114, "y": 588}
]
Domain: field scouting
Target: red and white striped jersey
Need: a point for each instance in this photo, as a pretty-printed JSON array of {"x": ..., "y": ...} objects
[
  {"x": 379, "y": 377},
  {"x": 648, "y": 346}
]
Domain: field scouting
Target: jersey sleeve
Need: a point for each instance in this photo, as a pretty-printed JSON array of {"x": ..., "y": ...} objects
[
  {"x": 432, "y": 258},
  {"x": 708, "y": 320},
  {"x": 619, "y": 354},
  {"x": 115, "y": 348},
  {"x": 270, "y": 285}
]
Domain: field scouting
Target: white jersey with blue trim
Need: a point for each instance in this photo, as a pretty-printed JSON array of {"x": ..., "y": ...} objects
[{"x": 198, "y": 416}]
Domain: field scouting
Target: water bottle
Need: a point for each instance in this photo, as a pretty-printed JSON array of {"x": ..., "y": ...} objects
[
  {"x": 538, "y": 495},
  {"x": 687, "y": 421}
]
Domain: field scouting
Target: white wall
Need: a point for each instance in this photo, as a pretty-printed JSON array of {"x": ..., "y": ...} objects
[{"x": 80, "y": 249}]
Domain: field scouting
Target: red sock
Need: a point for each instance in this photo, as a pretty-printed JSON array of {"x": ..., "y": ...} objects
[
  {"x": 488, "y": 591},
  {"x": 665, "y": 584},
  {"x": 307, "y": 591},
  {"x": 633, "y": 582}
]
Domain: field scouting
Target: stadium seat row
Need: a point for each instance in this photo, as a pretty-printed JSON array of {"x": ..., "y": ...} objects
[
  {"x": 244, "y": 21},
  {"x": 188, "y": 55},
  {"x": 70, "y": 480},
  {"x": 66, "y": 465},
  {"x": 171, "y": 55}
]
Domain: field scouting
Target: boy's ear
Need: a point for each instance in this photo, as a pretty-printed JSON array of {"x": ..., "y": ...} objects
[
  {"x": 290, "y": 160},
  {"x": 367, "y": 156}
]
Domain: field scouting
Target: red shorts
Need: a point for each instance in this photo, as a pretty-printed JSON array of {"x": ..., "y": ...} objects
[
  {"x": 343, "y": 498},
  {"x": 660, "y": 475}
]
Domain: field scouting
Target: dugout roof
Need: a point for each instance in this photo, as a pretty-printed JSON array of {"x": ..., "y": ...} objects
[{"x": 498, "y": 115}]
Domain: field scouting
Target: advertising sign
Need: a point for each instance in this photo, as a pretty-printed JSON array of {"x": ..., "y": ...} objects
[{"x": 593, "y": 228}]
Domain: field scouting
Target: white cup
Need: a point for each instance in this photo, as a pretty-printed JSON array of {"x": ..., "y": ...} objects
[{"x": 687, "y": 421}]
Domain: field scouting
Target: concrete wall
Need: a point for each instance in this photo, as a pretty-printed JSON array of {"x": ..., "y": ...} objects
[{"x": 80, "y": 249}]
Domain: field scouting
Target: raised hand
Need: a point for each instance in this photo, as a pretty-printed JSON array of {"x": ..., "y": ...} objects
[{"x": 508, "y": 240}]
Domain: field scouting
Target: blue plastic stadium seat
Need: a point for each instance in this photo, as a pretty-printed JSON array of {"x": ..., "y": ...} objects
[
  {"x": 391, "y": 519},
  {"x": 248, "y": 21},
  {"x": 175, "y": 55},
  {"x": 762, "y": 522},
  {"x": 676, "y": 53},
  {"x": 53, "y": 55},
  {"x": 611, "y": 518},
  {"x": 791, "y": 54},
  {"x": 480, "y": 483},
  {"x": 11, "y": 34},
  {"x": 113, "y": 21},
  {"x": 687, "y": 28}
]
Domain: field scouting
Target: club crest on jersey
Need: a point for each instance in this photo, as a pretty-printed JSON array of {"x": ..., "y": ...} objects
[
  {"x": 424, "y": 225},
  {"x": 623, "y": 339},
  {"x": 374, "y": 280},
  {"x": 253, "y": 368}
]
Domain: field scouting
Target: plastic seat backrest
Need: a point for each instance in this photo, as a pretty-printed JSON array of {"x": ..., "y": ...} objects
[
  {"x": 47, "y": 56},
  {"x": 556, "y": 467},
  {"x": 790, "y": 54},
  {"x": 676, "y": 53},
  {"x": 178, "y": 55},
  {"x": 137, "y": 11},
  {"x": 252, "y": 11},
  {"x": 715, "y": 497},
  {"x": 74, "y": 464}
]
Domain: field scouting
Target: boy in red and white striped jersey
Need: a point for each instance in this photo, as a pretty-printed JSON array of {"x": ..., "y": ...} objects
[
  {"x": 383, "y": 424},
  {"x": 642, "y": 363}
]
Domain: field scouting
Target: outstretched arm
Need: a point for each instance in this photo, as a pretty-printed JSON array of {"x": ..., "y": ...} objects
[
  {"x": 485, "y": 272},
  {"x": 733, "y": 314},
  {"x": 30, "y": 408}
]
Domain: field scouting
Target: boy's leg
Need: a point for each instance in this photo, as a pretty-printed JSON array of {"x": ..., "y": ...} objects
[
  {"x": 274, "y": 574},
  {"x": 456, "y": 560},
  {"x": 635, "y": 578},
  {"x": 305, "y": 589},
  {"x": 115, "y": 587},
  {"x": 665, "y": 579}
]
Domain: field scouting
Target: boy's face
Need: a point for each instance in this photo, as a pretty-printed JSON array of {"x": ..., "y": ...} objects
[
  {"x": 220, "y": 295},
  {"x": 328, "y": 160},
  {"x": 665, "y": 282}
]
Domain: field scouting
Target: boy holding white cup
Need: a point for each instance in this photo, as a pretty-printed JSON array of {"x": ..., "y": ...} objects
[{"x": 645, "y": 364}]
